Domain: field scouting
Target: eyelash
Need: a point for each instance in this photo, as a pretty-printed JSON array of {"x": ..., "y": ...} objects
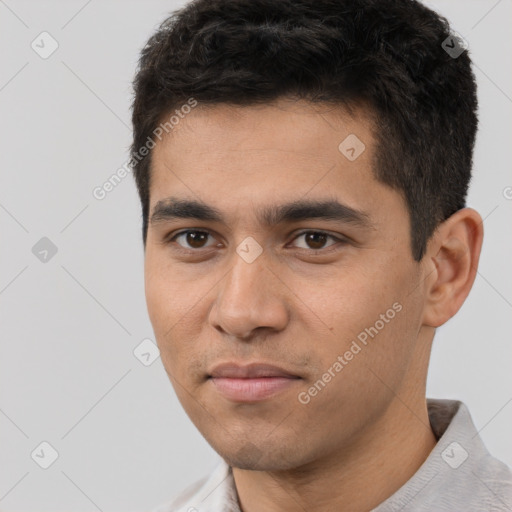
[{"x": 325, "y": 250}]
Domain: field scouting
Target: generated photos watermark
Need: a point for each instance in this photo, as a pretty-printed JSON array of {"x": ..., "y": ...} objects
[
  {"x": 101, "y": 191},
  {"x": 355, "y": 348}
]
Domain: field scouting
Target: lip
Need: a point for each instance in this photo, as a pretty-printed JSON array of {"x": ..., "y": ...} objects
[
  {"x": 234, "y": 370},
  {"x": 251, "y": 383}
]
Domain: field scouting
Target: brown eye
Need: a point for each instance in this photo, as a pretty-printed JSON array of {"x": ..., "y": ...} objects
[
  {"x": 316, "y": 240},
  {"x": 193, "y": 239}
]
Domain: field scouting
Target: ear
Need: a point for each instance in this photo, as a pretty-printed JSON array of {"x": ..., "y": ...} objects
[{"x": 451, "y": 263}]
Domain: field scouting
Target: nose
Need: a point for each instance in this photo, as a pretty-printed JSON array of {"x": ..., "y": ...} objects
[{"x": 250, "y": 297}]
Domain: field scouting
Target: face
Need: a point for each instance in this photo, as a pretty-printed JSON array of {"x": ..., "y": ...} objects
[{"x": 270, "y": 243}]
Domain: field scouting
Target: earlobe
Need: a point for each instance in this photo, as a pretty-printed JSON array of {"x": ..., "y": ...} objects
[{"x": 452, "y": 255}]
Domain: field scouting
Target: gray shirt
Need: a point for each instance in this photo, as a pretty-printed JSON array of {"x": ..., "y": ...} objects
[{"x": 459, "y": 475}]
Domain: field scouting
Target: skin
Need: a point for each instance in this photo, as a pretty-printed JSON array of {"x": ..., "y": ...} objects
[{"x": 367, "y": 431}]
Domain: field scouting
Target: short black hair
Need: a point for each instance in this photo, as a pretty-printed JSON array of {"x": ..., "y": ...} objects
[{"x": 388, "y": 55}]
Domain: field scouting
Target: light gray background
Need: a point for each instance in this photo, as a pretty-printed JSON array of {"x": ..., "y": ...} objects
[{"x": 69, "y": 326}]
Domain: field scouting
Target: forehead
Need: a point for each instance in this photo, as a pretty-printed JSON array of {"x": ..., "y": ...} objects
[
  {"x": 302, "y": 127},
  {"x": 230, "y": 157}
]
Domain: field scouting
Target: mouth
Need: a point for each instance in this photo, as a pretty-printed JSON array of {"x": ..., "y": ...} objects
[{"x": 251, "y": 383}]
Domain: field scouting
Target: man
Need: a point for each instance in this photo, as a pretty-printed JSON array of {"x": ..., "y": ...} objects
[{"x": 302, "y": 167}]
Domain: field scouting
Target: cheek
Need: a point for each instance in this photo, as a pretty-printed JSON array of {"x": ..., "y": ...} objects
[
  {"x": 168, "y": 299},
  {"x": 176, "y": 308},
  {"x": 164, "y": 304},
  {"x": 360, "y": 368},
  {"x": 354, "y": 300},
  {"x": 373, "y": 309},
  {"x": 158, "y": 295}
]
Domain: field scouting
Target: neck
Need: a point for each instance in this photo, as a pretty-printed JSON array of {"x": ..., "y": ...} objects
[{"x": 356, "y": 477}]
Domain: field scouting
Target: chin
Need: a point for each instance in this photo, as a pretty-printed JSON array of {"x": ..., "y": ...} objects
[{"x": 254, "y": 458}]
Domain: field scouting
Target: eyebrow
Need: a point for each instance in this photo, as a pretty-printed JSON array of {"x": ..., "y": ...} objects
[{"x": 174, "y": 208}]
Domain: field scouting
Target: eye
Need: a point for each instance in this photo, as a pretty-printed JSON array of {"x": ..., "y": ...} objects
[
  {"x": 316, "y": 240},
  {"x": 192, "y": 239}
]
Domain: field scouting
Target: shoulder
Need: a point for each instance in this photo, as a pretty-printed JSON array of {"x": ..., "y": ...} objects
[
  {"x": 496, "y": 478},
  {"x": 180, "y": 500},
  {"x": 459, "y": 473},
  {"x": 212, "y": 492}
]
